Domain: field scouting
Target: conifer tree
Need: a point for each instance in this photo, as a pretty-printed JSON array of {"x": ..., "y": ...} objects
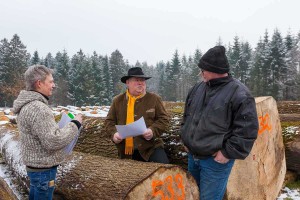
[
  {"x": 35, "y": 59},
  {"x": 13, "y": 64},
  {"x": 161, "y": 69},
  {"x": 49, "y": 61},
  {"x": 118, "y": 69},
  {"x": 245, "y": 63},
  {"x": 234, "y": 58},
  {"x": 78, "y": 77},
  {"x": 107, "y": 82},
  {"x": 278, "y": 65},
  {"x": 173, "y": 76},
  {"x": 96, "y": 97},
  {"x": 290, "y": 91},
  {"x": 61, "y": 65},
  {"x": 195, "y": 69},
  {"x": 256, "y": 84},
  {"x": 266, "y": 66}
]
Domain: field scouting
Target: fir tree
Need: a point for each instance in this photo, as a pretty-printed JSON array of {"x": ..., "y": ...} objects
[
  {"x": 35, "y": 59},
  {"x": 118, "y": 69},
  {"x": 256, "y": 84},
  {"x": 173, "y": 76},
  {"x": 107, "y": 82},
  {"x": 278, "y": 65},
  {"x": 49, "y": 61},
  {"x": 78, "y": 91},
  {"x": 245, "y": 63},
  {"x": 96, "y": 97},
  {"x": 61, "y": 66},
  {"x": 161, "y": 69},
  {"x": 13, "y": 64},
  {"x": 234, "y": 58}
]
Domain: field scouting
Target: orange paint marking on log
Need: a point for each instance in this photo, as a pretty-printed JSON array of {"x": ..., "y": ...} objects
[
  {"x": 159, "y": 186},
  {"x": 169, "y": 182},
  {"x": 156, "y": 191},
  {"x": 180, "y": 185},
  {"x": 264, "y": 123}
]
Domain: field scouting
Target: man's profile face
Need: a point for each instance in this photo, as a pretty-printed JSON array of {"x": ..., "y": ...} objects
[
  {"x": 136, "y": 85},
  {"x": 46, "y": 87}
]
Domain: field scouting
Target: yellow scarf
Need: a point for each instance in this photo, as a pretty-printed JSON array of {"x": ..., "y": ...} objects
[{"x": 130, "y": 119}]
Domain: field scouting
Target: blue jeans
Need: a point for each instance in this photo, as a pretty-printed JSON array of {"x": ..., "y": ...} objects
[
  {"x": 42, "y": 184},
  {"x": 211, "y": 176}
]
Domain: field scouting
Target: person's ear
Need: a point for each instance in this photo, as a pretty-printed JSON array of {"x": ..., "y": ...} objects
[{"x": 38, "y": 84}]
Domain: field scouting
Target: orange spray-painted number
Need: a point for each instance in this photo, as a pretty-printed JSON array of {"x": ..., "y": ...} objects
[
  {"x": 156, "y": 188},
  {"x": 179, "y": 181},
  {"x": 264, "y": 123},
  {"x": 168, "y": 185}
]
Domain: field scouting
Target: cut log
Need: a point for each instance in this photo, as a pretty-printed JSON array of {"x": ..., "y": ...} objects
[
  {"x": 87, "y": 176},
  {"x": 5, "y": 191},
  {"x": 94, "y": 176},
  {"x": 94, "y": 141},
  {"x": 261, "y": 174},
  {"x": 292, "y": 153}
]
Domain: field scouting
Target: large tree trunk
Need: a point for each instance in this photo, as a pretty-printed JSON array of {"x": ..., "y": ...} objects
[
  {"x": 261, "y": 174},
  {"x": 86, "y": 176},
  {"x": 5, "y": 191}
]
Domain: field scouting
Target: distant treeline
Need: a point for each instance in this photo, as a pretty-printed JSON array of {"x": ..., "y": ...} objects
[{"x": 269, "y": 69}]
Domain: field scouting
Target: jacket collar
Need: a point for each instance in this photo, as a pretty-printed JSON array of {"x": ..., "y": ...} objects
[{"x": 219, "y": 81}]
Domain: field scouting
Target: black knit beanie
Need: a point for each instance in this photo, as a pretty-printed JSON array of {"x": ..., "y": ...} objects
[{"x": 215, "y": 60}]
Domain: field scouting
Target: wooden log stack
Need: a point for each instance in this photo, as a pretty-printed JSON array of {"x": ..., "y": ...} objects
[
  {"x": 95, "y": 167},
  {"x": 86, "y": 176}
]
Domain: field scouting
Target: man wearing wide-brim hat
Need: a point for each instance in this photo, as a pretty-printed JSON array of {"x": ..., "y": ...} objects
[{"x": 130, "y": 106}]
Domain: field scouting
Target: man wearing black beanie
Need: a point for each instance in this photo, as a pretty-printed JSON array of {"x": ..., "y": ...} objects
[{"x": 219, "y": 124}]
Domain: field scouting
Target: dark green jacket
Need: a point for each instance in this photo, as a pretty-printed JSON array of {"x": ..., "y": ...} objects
[{"x": 156, "y": 118}]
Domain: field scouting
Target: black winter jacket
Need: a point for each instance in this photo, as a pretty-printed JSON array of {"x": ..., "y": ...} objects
[{"x": 220, "y": 115}]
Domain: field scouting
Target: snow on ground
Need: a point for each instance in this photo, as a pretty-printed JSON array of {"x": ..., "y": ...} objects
[{"x": 289, "y": 194}]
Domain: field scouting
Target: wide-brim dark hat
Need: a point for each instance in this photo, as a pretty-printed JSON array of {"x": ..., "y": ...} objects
[{"x": 134, "y": 72}]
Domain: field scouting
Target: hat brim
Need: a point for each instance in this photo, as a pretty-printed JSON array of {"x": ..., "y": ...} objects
[{"x": 124, "y": 78}]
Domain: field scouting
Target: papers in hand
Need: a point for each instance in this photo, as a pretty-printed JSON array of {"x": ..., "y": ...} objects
[
  {"x": 134, "y": 129},
  {"x": 65, "y": 119}
]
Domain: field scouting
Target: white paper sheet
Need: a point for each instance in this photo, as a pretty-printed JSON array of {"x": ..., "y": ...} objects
[
  {"x": 134, "y": 129},
  {"x": 65, "y": 119}
]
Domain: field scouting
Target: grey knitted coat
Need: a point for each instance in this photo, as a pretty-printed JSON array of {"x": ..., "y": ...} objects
[{"x": 42, "y": 142}]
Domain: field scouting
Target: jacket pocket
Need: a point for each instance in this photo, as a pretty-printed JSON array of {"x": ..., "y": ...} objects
[{"x": 218, "y": 116}]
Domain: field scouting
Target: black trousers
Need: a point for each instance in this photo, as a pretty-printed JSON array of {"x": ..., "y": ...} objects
[{"x": 159, "y": 156}]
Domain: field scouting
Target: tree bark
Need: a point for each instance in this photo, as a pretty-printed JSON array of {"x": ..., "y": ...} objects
[{"x": 292, "y": 153}]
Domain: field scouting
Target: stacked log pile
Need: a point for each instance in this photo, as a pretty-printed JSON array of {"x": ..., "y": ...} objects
[
  {"x": 259, "y": 176},
  {"x": 290, "y": 120},
  {"x": 87, "y": 176}
]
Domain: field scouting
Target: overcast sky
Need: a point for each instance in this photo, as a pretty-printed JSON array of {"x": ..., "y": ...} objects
[{"x": 142, "y": 30}]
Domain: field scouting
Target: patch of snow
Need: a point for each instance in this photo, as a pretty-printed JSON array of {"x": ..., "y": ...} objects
[
  {"x": 7, "y": 111},
  {"x": 7, "y": 176},
  {"x": 288, "y": 193}
]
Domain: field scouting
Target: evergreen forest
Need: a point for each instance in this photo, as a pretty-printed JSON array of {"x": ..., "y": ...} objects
[{"x": 271, "y": 68}]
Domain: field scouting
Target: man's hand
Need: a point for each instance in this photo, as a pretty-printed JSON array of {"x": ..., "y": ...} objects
[
  {"x": 220, "y": 158},
  {"x": 148, "y": 134},
  {"x": 185, "y": 148},
  {"x": 116, "y": 138}
]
